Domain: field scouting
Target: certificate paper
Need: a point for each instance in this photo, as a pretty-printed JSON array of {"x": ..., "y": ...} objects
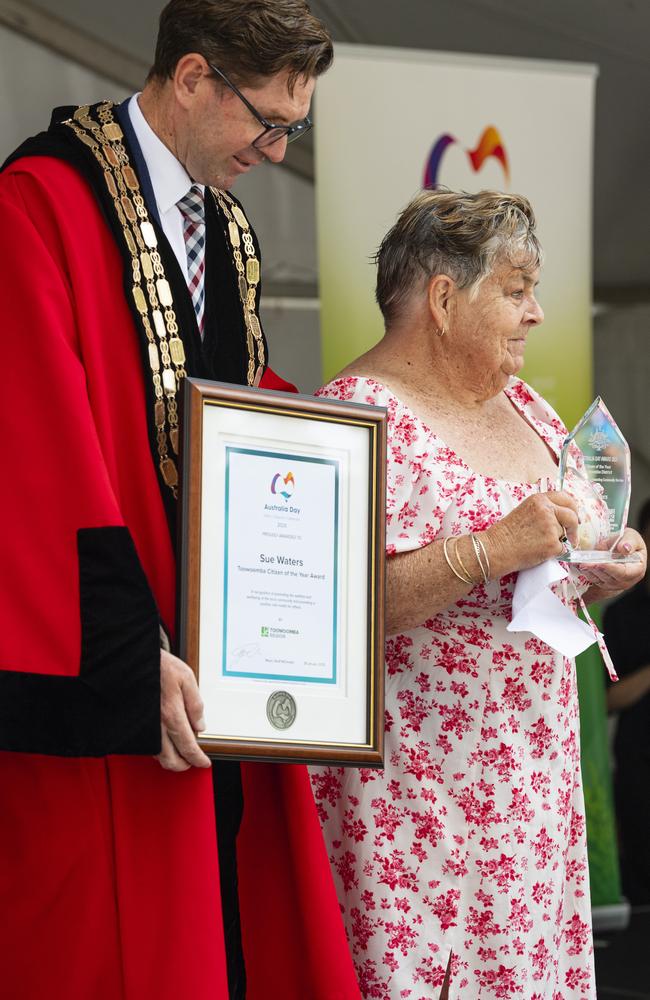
[
  {"x": 281, "y": 566},
  {"x": 282, "y": 573}
]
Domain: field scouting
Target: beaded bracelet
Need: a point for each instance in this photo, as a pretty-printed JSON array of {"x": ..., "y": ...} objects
[{"x": 480, "y": 553}]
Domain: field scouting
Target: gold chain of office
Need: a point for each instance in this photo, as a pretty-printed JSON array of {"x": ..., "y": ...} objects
[{"x": 103, "y": 136}]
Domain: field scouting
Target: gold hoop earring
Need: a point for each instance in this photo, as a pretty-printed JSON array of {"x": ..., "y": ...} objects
[{"x": 441, "y": 331}]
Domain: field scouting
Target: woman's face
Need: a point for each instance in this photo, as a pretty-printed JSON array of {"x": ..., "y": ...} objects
[{"x": 491, "y": 330}]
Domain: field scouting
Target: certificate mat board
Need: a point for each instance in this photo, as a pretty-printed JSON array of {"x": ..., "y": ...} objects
[{"x": 282, "y": 572}]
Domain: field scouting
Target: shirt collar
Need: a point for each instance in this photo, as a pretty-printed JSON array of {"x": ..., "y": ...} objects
[{"x": 169, "y": 178}]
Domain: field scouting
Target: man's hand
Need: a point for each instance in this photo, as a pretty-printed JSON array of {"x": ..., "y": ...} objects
[{"x": 181, "y": 716}]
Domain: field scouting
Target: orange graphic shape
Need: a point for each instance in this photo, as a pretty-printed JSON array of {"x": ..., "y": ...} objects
[{"x": 489, "y": 144}]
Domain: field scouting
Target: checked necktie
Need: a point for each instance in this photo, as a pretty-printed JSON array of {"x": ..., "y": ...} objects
[{"x": 191, "y": 208}]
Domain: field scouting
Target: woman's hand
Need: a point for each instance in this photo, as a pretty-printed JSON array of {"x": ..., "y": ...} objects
[
  {"x": 532, "y": 533},
  {"x": 609, "y": 578}
]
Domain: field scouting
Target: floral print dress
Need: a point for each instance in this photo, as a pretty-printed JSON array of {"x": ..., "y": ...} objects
[{"x": 472, "y": 839}]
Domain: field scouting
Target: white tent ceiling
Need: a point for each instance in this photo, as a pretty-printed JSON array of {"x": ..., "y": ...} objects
[{"x": 614, "y": 34}]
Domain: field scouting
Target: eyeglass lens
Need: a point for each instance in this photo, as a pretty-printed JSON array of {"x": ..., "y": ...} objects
[{"x": 291, "y": 132}]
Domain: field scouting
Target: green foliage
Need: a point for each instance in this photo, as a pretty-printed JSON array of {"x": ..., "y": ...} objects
[
  {"x": 596, "y": 777},
  {"x": 601, "y": 838}
]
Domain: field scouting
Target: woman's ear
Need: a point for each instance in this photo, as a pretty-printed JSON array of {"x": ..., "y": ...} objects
[{"x": 439, "y": 295}]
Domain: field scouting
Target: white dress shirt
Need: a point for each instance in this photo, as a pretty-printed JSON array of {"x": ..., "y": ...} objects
[{"x": 169, "y": 179}]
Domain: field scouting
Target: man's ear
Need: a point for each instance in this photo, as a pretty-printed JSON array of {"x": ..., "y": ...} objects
[{"x": 189, "y": 71}]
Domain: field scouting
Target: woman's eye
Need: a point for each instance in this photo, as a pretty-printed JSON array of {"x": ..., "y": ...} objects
[{"x": 518, "y": 293}]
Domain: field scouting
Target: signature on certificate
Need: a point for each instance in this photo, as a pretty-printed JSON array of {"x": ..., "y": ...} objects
[{"x": 249, "y": 651}]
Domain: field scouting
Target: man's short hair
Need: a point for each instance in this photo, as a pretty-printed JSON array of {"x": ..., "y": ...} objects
[{"x": 246, "y": 39}]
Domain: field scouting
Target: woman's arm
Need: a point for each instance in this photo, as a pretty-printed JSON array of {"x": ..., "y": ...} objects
[{"x": 420, "y": 584}]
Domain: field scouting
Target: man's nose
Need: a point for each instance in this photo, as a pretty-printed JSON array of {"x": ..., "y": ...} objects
[{"x": 276, "y": 151}]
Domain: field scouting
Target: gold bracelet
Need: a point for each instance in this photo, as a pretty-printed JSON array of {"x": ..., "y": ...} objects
[
  {"x": 451, "y": 566},
  {"x": 479, "y": 550},
  {"x": 462, "y": 565}
]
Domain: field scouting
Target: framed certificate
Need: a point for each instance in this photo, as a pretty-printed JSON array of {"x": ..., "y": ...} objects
[{"x": 282, "y": 573}]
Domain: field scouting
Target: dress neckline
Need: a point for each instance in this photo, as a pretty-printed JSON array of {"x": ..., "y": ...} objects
[{"x": 458, "y": 459}]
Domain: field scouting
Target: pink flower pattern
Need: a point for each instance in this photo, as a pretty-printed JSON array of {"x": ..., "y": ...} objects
[{"x": 472, "y": 839}]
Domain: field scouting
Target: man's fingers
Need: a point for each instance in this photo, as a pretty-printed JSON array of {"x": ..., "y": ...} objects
[
  {"x": 168, "y": 758},
  {"x": 193, "y": 704},
  {"x": 181, "y": 714},
  {"x": 182, "y": 736},
  {"x": 189, "y": 749},
  {"x": 180, "y": 751},
  {"x": 177, "y": 726}
]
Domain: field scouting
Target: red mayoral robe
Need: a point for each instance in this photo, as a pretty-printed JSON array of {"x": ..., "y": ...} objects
[{"x": 109, "y": 884}]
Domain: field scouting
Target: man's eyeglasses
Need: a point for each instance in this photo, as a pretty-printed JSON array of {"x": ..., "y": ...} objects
[{"x": 271, "y": 132}]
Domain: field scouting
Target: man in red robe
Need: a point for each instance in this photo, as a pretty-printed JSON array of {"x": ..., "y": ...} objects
[{"x": 122, "y": 270}]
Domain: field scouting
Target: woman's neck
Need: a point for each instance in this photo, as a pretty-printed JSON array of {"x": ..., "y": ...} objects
[{"x": 426, "y": 365}]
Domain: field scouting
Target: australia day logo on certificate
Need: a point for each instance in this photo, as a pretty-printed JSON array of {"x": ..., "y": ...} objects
[
  {"x": 283, "y": 485},
  {"x": 281, "y": 566}
]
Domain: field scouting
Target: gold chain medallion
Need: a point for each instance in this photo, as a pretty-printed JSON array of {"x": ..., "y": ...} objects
[
  {"x": 248, "y": 276},
  {"x": 97, "y": 129}
]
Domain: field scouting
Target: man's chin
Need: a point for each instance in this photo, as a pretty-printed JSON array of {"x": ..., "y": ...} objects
[
  {"x": 210, "y": 178},
  {"x": 221, "y": 183}
]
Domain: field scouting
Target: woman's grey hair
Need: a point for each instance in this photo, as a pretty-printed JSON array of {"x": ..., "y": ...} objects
[{"x": 454, "y": 233}]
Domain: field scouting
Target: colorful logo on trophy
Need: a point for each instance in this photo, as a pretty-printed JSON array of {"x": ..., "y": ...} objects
[
  {"x": 283, "y": 486},
  {"x": 489, "y": 145}
]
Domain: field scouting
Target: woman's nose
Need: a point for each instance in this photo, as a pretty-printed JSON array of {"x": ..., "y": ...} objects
[{"x": 535, "y": 313}]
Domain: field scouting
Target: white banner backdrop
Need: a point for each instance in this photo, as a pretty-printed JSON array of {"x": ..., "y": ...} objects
[{"x": 386, "y": 116}]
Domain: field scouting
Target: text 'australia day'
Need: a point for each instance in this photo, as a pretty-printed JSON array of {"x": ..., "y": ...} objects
[{"x": 283, "y": 509}]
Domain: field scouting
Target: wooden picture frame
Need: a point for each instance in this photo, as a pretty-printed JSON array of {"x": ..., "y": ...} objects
[{"x": 281, "y": 573}]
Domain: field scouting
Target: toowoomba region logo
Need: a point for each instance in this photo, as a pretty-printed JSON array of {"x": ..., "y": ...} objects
[
  {"x": 489, "y": 145},
  {"x": 283, "y": 486}
]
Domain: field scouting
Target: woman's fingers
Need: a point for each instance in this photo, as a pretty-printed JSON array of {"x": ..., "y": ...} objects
[
  {"x": 562, "y": 499},
  {"x": 566, "y": 512},
  {"x": 617, "y": 576},
  {"x": 631, "y": 542}
]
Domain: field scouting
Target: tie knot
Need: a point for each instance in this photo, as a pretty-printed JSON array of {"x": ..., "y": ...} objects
[{"x": 191, "y": 205}]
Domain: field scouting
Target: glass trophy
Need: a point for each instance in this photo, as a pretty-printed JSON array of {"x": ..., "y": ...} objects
[{"x": 595, "y": 471}]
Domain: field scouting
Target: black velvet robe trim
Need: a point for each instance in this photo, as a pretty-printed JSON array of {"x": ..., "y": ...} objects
[{"x": 113, "y": 706}]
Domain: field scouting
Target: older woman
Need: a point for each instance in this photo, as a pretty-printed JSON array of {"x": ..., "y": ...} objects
[{"x": 462, "y": 867}]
